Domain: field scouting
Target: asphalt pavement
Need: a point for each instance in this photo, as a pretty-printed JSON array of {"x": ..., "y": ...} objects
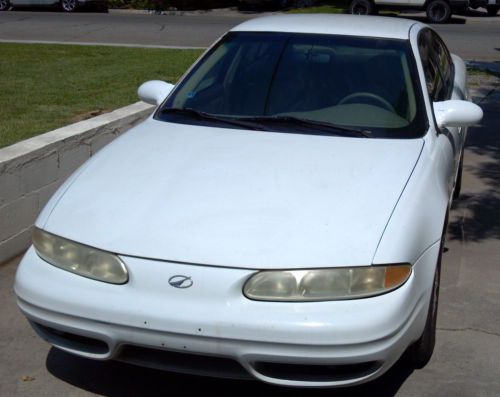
[
  {"x": 466, "y": 361},
  {"x": 475, "y": 37}
]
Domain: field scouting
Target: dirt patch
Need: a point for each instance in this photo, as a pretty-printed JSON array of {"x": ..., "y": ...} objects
[{"x": 88, "y": 115}]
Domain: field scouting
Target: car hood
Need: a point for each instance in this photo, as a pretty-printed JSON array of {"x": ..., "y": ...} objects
[{"x": 235, "y": 198}]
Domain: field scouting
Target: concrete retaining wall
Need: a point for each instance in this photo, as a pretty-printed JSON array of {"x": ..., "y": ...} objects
[{"x": 32, "y": 170}]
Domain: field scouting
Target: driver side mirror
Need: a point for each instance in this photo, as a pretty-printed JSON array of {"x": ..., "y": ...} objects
[
  {"x": 154, "y": 92},
  {"x": 456, "y": 113}
]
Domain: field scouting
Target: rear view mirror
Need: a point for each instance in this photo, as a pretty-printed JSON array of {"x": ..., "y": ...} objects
[
  {"x": 456, "y": 113},
  {"x": 154, "y": 92}
]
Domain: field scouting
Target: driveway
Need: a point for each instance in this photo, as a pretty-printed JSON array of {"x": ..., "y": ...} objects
[
  {"x": 471, "y": 37},
  {"x": 466, "y": 361}
]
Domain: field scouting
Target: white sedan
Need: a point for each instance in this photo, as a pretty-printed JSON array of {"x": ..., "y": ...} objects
[{"x": 280, "y": 216}]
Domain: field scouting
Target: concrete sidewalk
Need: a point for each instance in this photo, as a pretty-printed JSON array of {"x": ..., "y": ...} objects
[{"x": 466, "y": 361}]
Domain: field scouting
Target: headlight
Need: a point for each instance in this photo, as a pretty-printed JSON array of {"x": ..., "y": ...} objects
[
  {"x": 325, "y": 284},
  {"x": 78, "y": 258}
]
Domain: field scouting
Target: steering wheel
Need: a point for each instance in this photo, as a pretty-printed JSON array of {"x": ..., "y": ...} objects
[{"x": 370, "y": 95}]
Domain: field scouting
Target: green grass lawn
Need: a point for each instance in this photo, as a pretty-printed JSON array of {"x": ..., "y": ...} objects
[
  {"x": 324, "y": 7},
  {"x": 43, "y": 87}
]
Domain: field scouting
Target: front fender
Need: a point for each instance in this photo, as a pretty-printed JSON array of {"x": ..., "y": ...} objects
[{"x": 419, "y": 216}]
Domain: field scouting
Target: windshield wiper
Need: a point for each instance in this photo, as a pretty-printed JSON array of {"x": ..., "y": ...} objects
[
  {"x": 258, "y": 122},
  {"x": 329, "y": 128},
  {"x": 207, "y": 116}
]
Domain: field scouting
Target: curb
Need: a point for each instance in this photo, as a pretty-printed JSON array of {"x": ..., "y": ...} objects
[
  {"x": 103, "y": 44},
  {"x": 32, "y": 170}
]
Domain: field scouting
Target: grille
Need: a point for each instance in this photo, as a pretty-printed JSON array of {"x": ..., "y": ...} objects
[{"x": 183, "y": 362}]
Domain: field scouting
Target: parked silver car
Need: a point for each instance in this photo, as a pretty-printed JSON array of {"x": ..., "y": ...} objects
[{"x": 64, "y": 5}]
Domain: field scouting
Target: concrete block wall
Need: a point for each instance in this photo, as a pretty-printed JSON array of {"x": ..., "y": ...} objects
[{"x": 32, "y": 170}]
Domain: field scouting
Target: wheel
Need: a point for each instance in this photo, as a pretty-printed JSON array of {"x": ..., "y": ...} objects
[
  {"x": 438, "y": 11},
  {"x": 69, "y": 5},
  {"x": 385, "y": 104},
  {"x": 420, "y": 352},
  {"x": 458, "y": 182},
  {"x": 492, "y": 11},
  {"x": 361, "y": 7},
  {"x": 4, "y": 5}
]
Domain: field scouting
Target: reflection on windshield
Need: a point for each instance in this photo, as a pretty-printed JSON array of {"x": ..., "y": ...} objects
[{"x": 360, "y": 83}]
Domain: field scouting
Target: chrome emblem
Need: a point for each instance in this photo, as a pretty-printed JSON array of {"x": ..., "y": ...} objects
[{"x": 180, "y": 281}]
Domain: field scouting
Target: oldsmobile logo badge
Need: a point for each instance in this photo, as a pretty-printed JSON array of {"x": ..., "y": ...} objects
[{"x": 180, "y": 281}]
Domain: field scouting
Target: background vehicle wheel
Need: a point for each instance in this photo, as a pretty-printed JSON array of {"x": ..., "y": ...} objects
[
  {"x": 69, "y": 5},
  {"x": 438, "y": 11},
  {"x": 4, "y": 5},
  {"x": 458, "y": 183},
  {"x": 420, "y": 352},
  {"x": 492, "y": 11},
  {"x": 361, "y": 7}
]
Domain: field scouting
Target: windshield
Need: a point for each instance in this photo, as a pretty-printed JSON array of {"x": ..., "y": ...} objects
[{"x": 273, "y": 80}]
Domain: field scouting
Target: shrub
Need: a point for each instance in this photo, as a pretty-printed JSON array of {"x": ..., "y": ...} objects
[{"x": 165, "y": 4}]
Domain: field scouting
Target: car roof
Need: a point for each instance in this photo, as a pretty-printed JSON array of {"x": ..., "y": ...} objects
[{"x": 347, "y": 25}]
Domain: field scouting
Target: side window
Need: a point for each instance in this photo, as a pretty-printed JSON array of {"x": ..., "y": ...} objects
[
  {"x": 432, "y": 77},
  {"x": 437, "y": 66},
  {"x": 445, "y": 67}
]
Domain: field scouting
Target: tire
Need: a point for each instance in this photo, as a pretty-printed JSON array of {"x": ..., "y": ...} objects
[
  {"x": 492, "y": 11},
  {"x": 458, "y": 182},
  {"x": 68, "y": 5},
  {"x": 438, "y": 11},
  {"x": 361, "y": 7},
  {"x": 420, "y": 352},
  {"x": 4, "y": 5}
]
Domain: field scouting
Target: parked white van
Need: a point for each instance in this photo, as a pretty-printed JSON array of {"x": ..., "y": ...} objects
[{"x": 438, "y": 11}]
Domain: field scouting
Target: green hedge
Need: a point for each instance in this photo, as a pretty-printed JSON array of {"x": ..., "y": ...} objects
[
  {"x": 321, "y": 5},
  {"x": 165, "y": 4}
]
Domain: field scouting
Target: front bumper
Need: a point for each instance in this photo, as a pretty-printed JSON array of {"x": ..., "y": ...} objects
[{"x": 296, "y": 344}]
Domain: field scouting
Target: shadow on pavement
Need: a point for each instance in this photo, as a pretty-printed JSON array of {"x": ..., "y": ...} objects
[
  {"x": 110, "y": 378},
  {"x": 482, "y": 215},
  {"x": 492, "y": 67}
]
